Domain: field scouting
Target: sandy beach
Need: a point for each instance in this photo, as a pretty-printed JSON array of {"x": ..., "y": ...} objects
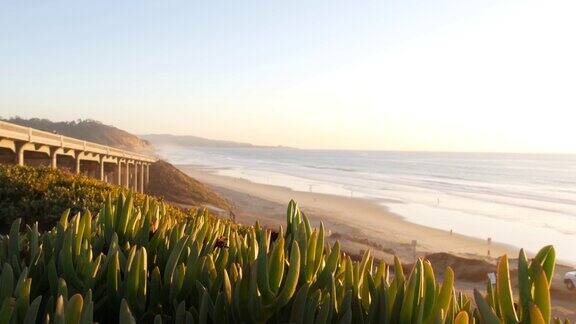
[{"x": 360, "y": 224}]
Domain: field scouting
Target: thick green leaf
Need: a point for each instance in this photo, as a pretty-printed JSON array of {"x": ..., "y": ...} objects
[{"x": 504, "y": 289}]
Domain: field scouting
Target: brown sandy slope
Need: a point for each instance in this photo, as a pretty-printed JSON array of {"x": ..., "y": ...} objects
[{"x": 173, "y": 185}]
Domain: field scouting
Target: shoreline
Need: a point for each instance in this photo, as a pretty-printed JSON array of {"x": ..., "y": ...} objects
[
  {"x": 374, "y": 227},
  {"x": 356, "y": 222}
]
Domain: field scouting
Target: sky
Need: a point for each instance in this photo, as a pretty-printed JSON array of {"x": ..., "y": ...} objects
[{"x": 444, "y": 75}]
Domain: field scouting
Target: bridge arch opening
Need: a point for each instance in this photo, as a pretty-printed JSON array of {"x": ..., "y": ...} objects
[
  {"x": 7, "y": 156},
  {"x": 36, "y": 159},
  {"x": 90, "y": 168},
  {"x": 110, "y": 172},
  {"x": 66, "y": 163}
]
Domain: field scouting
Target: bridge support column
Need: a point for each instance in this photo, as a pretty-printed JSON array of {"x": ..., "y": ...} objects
[
  {"x": 53, "y": 158},
  {"x": 78, "y": 162},
  {"x": 147, "y": 174},
  {"x": 127, "y": 180},
  {"x": 119, "y": 171},
  {"x": 136, "y": 176},
  {"x": 20, "y": 153},
  {"x": 141, "y": 188},
  {"x": 101, "y": 158}
]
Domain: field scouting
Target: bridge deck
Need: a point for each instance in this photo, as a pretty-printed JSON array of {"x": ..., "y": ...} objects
[
  {"x": 30, "y": 135},
  {"x": 92, "y": 159}
]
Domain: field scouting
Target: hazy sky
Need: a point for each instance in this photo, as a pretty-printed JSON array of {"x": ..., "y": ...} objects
[{"x": 403, "y": 75}]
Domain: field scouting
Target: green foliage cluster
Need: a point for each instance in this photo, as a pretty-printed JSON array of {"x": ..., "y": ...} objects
[
  {"x": 43, "y": 194},
  {"x": 139, "y": 262}
]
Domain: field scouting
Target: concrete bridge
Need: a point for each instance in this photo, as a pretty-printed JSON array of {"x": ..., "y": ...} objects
[{"x": 28, "y": 146}]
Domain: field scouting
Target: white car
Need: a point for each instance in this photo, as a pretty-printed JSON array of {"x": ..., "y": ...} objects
[{"x": 570, "y": 280}]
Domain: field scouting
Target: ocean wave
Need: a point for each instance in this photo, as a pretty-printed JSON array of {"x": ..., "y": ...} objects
[{"x": 330, "y": 168}]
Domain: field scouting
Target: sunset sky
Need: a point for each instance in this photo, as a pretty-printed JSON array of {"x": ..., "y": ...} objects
[{"x": 391, "y": 75}]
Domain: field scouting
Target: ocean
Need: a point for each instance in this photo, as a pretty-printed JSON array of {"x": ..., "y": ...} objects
[{"x": 524, "y": 200}]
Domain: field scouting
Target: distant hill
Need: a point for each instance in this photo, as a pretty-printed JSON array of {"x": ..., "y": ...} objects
[
  {"x": 188, "y": 140},
  {"x": 89, "y": 130}
]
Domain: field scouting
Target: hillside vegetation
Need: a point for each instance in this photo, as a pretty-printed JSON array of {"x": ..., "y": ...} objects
[
  {"x": 135, "y": 259},
  {"x": 43, "y": 194}
]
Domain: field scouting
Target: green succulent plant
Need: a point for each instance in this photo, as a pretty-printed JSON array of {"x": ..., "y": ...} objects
[{"x": 139, "y": 261}]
